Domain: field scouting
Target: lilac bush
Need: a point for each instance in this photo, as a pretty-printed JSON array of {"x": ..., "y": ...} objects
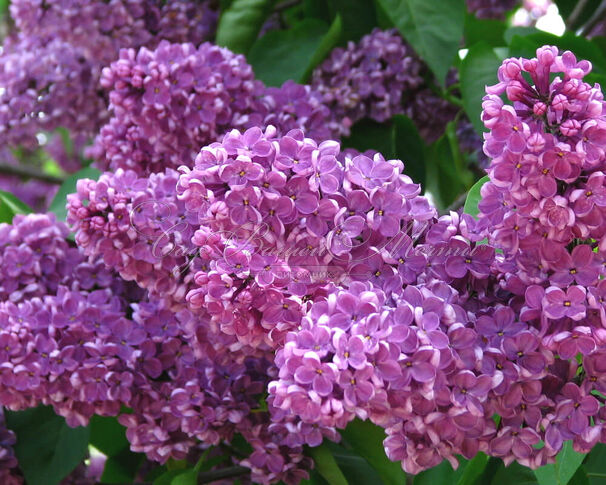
[{"x": 249, "y": 285}]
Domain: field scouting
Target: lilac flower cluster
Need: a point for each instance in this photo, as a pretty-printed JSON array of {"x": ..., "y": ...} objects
[
  {"x": 60, "y": 321},
  {"x": 273, "y": 262},
  {"x": 377, "y": 78},
  {"x": 491, "y": 9},
  {"x": 46, "y": 85},
  {"x": 101, "y": 28},
  {"x": 369, "y": 79},
  {"x": 8, "y": 462},
  {"x": 467, "y": 333},
  {"x": 545, "y": 209},
  {"x": 280, "y": 217},
  {"x": 139, "y": 228},
  {"x": 67, "y": 340},
  {"x": 50, "y": 66},
  {"x": 169, "y": 102}
]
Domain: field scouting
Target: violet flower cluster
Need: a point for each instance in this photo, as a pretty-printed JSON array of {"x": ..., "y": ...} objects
[
  {"x": 8, "y": 462},
  {"x": 140, "y": 229},
  {"x": 476, "y": 334},
  {"x": 280, "y": 217},
  {"x": 545, "y": 209},
  {"x": 51, "y": 64},
  {"x": 285, "y": 287},
  {"x": 75, "y": 336},
  {"x": 102, "y": 28},
  {"x": 169, "y": 102},
  {"x": 376, "y": 78},
  {"x": 491, "y": 9},
  {"x": 46, "y": 85}
]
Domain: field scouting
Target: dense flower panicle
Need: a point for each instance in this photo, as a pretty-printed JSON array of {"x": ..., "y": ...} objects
[
  {"x": 298, "y": 106},
  {"x": 277, "y": 287},
  {"x": 57, "y": 308},
  {"x": 377, "y": 78},
  {"x": 170, "y": 102},
  {"x": 139, "y": 228},
  {"x": 8, "y": 461},
  {"x": 281, "y": 217},
  {"x": 543, "y": 209},
  {"x": 548, "y": 152},
  {"x": 46, "y": 85},
  {"x": 430, "y": 113},
  {"x": 51, "y": 65},
  {"x": 36, "y": 258},
  {"x": 368, "y": 79},
  {"x": 72, "y": 344},
  {"x": 490, "y": 9},
  {"x": 101, "y": 28}
]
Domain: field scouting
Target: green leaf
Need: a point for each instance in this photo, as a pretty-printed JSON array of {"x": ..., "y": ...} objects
[
  {"x": 10, "y": 206},
  {"x": 367, "y": 441},
  {"x": 514, "y": 474},
  {"x": 241, "y": 23},
  {"x": 474, "y": 196},
  {"x": 478, "y": 70},
  {"x": 314, "y": 479},
  {"x": 327, "y": 466},
  {"x": 358, "y": 16},
  {"x": 484, "y": 30},
  {"x": 109, "y": 437},
  {"x": 171, "y": 477},
  {"x": 443, "y": 180},
  {"x": 59, "y": 203},
  {"x": 433, "y": 28},
  {"x": 188, "y": 476},
  {"x": 473, "y": 469},
  {"x": 47, "y": 448},
  {"x": 355, "y": 468},
  {"x": 565, "y": 8},
  {"x": 121, "y": 467},
  {"x": 594, "y": 465},
  {"x": 511, "y": 32},
  {"x": 66, "y": 139},
  {"x": 580, "y": 477},
  {"x": 410, "y": 148},
  {"x": 563, "y": 469},
  {"x": 441, "y": 474},
  {"x": 367, "y": 134},
  {"x": 327, "y": 44},
  {"x": 285, "y": 54}
]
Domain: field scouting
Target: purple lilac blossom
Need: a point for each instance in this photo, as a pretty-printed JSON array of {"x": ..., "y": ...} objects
[
  {"x": 169, "y": 102},
  {"x": 377, "y": 78},
  {"x": 46, "y": 85},
  {"x": 490, "y": 9},
  {"x": 326, "y": 280},
  {"x": 51, "y": 64},
  {"x": 368, "y": 79},
  {"x": 83, "y": 340},
  {"x": 8, "y": 461},
  {"x": 287, "y": 204}
]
